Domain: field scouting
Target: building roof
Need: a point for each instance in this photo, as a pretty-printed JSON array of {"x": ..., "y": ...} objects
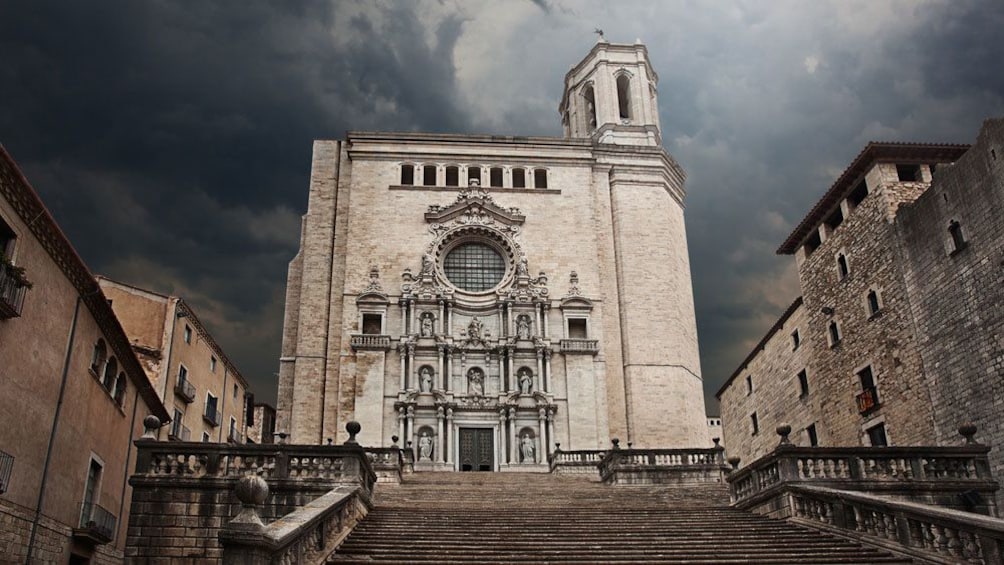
[
  {"x": 190, "y": 315},
  {"x": 29, "y": 207},
  {"x": 759, "y": 346},
  {"x": 875, "y": 151}
]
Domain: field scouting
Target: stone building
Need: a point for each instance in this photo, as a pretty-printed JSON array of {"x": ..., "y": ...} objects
[
  {"x": 261, "y": 429},
  {"x": 488, "y": 297},
  {"x": 895, "y": 339},
  {"x": 203, "y": 390},
  {"x": 74, "y": 395}
]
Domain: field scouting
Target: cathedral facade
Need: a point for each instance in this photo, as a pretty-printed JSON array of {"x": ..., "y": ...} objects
[{"x": 487, "y": 298}]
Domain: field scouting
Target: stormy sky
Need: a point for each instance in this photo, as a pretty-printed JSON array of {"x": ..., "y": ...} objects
[{"x": 172, "y": 140}]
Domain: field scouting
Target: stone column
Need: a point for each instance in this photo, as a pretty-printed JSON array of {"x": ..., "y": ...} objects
[
  {"x": 512, "y": 369},
  {"x": 514, "y": 454},
  {"x": 536, "y": 320},
  {"x": 441, "y": 349},
  {"x": 401, "y": 431},
  {"x": 410, "y": 425},
  {"x": 402, "y": 351},
  {"x": 449, "y": 319},
  {"x": 540, "y": 368},
  {"x": 508, "y": 309},
  {"x": 449, "y": 368},
  {"x": 550, "y": 430},
  {"x": 546, "y": 309},
  {"x": 440, "y": 413},
  {"x": 442, "y": 317},
  {"x": 503, "y": 432},
  {"x": 411, "y": 317},
  {"x": 451, "y": 440},
  {"x": 404, "y": 316},
  {"x": 411, "y": 365},
  {"x": 502, "y": 328},
  {"x": 541, "y": 440},
  {"x": 547, "y": 371}
]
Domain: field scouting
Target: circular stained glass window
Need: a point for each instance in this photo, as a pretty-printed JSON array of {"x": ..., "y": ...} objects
[{"x": 474, "y": 267}]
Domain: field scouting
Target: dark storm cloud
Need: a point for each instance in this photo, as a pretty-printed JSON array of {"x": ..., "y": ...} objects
[{"x": 172, "y": 141}]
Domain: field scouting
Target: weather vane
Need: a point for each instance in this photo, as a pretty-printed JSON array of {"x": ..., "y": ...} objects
[{"x": 599, "y": 32}]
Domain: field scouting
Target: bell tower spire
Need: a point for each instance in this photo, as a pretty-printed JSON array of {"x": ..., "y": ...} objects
[{"x": 611, "y": 96}]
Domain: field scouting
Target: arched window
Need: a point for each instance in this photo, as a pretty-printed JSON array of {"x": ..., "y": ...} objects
[
  {"x": 111, "y": 368},
  {"x": 452, "y": 175},
  {"x": 473, "y": 172},
  {"x": 120, "y": 389},
  {"x": 407, "y": 174},
  {"x": 495, "y": 177},
  {"x": 429, "y": 175},
  {"x": 873, "y": 302},
  {"x": 624, "y": 96},
  {"x": 590, "y": 113},
  {"x": 842, "y": 268},
  {"x": 98, "y": 356},
  {"x": 958, "y": 240},
  {"x": 518, "y": 178},
  {"x": 540, "y": 178}
]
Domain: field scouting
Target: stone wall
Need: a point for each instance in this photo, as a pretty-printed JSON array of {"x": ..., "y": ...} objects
[{"x": 956, "y": 296}]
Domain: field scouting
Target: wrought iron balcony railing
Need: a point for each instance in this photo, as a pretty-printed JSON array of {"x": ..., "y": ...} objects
[
  {"x": 185, "y": 390},
  {"x": 97, "y": 525},
  {"x": 179, "y": 432},
  {"x": 212, "y": 416},
  {"x": 6, "y": 467},
  {"x": 868, "y": 399},
  {"x": 235, "y": 436},
  {"x": 12, "y": 290}
]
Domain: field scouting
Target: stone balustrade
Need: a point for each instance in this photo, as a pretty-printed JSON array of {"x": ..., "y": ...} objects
[
  {"x": 361, "y": 342},
  {"x": 388, "y": 463},
  {"x": 930, "y": 534},
  {"x": 580, "y": 346},
  {"x": 663, "y": 466},
  {"x": 585, "y": 461}
]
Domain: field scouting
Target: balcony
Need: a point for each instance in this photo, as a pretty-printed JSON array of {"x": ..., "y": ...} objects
[
  {"x": 13, "y": 286},
  {"x": 868, "y": 400},
  {"x": 234, "y": 436},
  {"x": 578, "y": 346},
  {"x": 212, "y": 416},
  {"x": 185, "y": 390},
  {"x": 370, "y": 342},
  {"x": 179, "y": 432},
  {"x": 97, "y": 525},
  {"x": 6, "y": 467}
]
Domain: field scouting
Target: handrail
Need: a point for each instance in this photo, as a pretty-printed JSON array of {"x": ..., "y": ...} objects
[
  {"x": 308, "y": 535},
  {"x": 703, "y": 463},
  {"x": 927, "y": 532}
]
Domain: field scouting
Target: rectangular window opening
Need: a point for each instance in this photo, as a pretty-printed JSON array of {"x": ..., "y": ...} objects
[
  {"x": 7, "y": 238},
  {"x": 188, "y": 334},
  {"x": 813, "y": 438},
  {"x": 755, "y": 423},
  {"x": 452, "y": 176},
  {"x": 858, "y": 194},
  {"x": 540, "y": 178},
  {"x": 429, "y": 175},
  {"x": 876, "y": 436},
  {"x": 908, "y": 173},
  {"x": 372, "y": 324},
  {"x": 495, "y": 177},
  {"x": 803, "y": 383},
  {"x": 749, "y": 384},
  {"x": 577, "y": 328},
  {"x": 812, "y": 243},
  {"x": 796, "y": 340},
  {"x": 518, "y": 178},
  {"x": 473, "y": 172},
  {"x": 408, "y": 175},
  {"x": 835, "y": 219}
]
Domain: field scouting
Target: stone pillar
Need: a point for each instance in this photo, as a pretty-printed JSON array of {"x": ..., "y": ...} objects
[
  {"x": 512, "y": 369},
  {"x": 451, "y": 440},
  {"x": 544, "y": 331},
  {"x": 540, "y": 368},
  {"x": 514, "y": 454},
  {"x": 546, "y": 379},
  {"x": 502, "y": 328},
  {"x": 550, "y": 430},
  {"x": 441, "y": 349},
  {"x": 449, "y": 320},
  {"x": 442, "y": 317},
  {"x": 449, "y": 368},
  {"x": 536, "y": 320},
  {"x": 410, "y": 425},
  {"x": 503, "y": 432},
  {"x": 411, "y": 317},
  {"x": 542, "y": 431},
  {"x": 401, "y": 430},
  {"x": 404, "y": 316},
  {"x": 508, "y": 309},
  {"x": 440, "y": 413},
  {"x": 413, "y": 370},
  {"x": 402, "y": 351}
]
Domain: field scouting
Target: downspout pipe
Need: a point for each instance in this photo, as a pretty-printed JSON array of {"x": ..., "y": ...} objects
[{"x": 55, "y": 426}]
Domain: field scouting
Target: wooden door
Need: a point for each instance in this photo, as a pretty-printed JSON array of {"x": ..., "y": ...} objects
[{"x": 477, "y": 449}]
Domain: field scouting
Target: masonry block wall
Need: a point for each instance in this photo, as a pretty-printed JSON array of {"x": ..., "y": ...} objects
[{"x": 957, "y": 294}]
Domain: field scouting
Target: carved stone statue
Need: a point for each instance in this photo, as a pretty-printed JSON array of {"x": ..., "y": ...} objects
[
  {"x": 425, "y": 447},
  {"x": 474, "y": 182},
  {"x": 427, "y": 264},
  {"x": 528, "y": 448},
  {"x": 426, "y": 325},
  {"x": 475, "y": 329},
  {"x": 476, "y": 382},
  {"x": 525, "y": 381},
  {"x": 521, "y": 268},
  {"x": 425, "y": 379},
  {"x": 523, "y": 327}
]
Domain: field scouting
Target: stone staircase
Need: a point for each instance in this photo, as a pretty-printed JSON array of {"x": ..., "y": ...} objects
[{"x": 536, "y": 518}]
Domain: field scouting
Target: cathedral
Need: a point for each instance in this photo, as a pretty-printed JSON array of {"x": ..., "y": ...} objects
[{"x": 486, "y": 299}]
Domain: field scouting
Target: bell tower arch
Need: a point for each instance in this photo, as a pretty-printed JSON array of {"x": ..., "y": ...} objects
[{"x": 611, "y": 95}]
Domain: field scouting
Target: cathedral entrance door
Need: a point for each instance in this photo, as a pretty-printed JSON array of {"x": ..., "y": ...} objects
[{"x": 477, "y": 449}]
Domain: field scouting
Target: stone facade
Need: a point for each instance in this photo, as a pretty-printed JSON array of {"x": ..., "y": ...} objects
[
  {"x": 865, "y": 349},
  {"x": 586, "y": 329},
  {"x": 262, "y": 427},
  {"x": 203, "y": 390},
  {"x": 74, "y": 394},
  {"x": 956, "y": 295}
]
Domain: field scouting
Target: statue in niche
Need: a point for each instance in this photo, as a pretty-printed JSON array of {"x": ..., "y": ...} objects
[
  {"x": 523, "y": 327},
  {"x": 425, "y": 379},
  {"x": 476, "y": 382},
  {"x": 427, "y": 264},
  {"x": 426, "y": 325},
  {"x": 525, "y": 381},
  {"x": 475, "y": 329},
  {"x": 425, "y": 447},
  {"x": 522, "y": 270},
  {"x": 528, "y": 448}
]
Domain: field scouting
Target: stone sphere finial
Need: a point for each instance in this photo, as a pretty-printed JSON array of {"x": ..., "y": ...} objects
[
  {"x": 252, "y": 491},
  {"x": 783, "y": 430},
  {"x": 968, "y": 430},
  {"x": 150, "y": 426},
  {"x": 734, "y": 461},
  {"x": 353, "y": 428}
]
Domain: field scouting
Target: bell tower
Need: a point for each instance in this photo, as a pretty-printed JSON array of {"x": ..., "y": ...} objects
[{"x": 611, "y": 96}]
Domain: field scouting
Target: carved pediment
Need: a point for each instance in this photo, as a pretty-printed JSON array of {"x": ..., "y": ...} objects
[{"x": 474, "y": 206}]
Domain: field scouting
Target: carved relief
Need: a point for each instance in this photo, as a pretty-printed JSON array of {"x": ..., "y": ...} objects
[{"x": 476, "y": 382}]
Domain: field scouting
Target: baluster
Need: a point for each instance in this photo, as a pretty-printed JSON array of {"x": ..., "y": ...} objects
[
  {"x": 916, "y": 533},
  {"x": 940, "y": 539},
  {"x": 860, "y": 522},
  {"x": 970, "y": 545},
  {"x": 954, "y": 545},
  {"x": 879, "y": 524},
  {"x": 890, "y": 526}
]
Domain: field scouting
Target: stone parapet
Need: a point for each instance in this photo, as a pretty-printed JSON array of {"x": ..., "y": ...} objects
[{"x": 663, "y": 466}]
